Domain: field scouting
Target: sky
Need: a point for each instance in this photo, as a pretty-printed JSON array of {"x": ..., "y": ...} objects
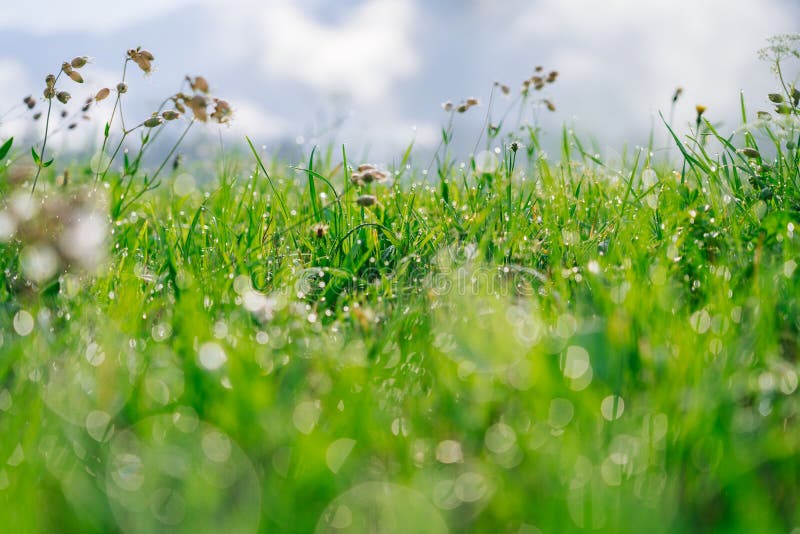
[{"x": 373, "y": 73}]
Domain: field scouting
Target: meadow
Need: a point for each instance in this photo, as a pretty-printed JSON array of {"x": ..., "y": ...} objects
[{"x": 508, "y": 341}]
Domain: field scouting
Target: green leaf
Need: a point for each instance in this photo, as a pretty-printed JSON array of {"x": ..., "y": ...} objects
[
  {"x": 48, "y": 163},
  {"x": 6, "y": 148},
  {"x": 36, "y": 158},
  {"x": 108, "y": 127}
]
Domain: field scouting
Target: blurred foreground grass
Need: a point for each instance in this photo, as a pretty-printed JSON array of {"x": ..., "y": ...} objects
[{"x": 516, "y": 345}]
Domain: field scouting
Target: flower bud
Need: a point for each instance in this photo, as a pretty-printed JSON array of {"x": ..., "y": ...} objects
[
  {"x": 75, "y": 76},
  {"x": 749, "y": 152},
  {"x": 152, "y": 122}
]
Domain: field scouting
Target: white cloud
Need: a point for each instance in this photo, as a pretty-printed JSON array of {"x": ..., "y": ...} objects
[
  {"x": 621, "y": 59},
  {"x": 361, "y": 56}
]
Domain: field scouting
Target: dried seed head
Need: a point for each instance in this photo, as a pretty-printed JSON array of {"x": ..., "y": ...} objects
[
  {"x": 749, "y": 153},
  {"x": 102, "y": 94},
  {"x": 50, "y": 80},
  {"x": 539, "y": 68},
  {"x": 198, "y": 84},
  {"x": 180, "y": 107},
  {"x": 552, "y": 76},
  {"x": 37, "y": 116},
  {"x": 506, "y": 90},
  {"x": 146, "y": 54},
  {"x": 152, "y": 122},
  {"x": 63, "y": 96},
  {"x": 222, "y": 113},
  {"x": 49, "y": 93},
  {"x": 472, "y": 101},
  {"x": 365, "y": 167},
  {"x": 550, "y": 105},
  {"x": 30, "y": 101},
  {"x": 72, "y": 126},
  {"x": 677, "y": 94},
  {"x": 198, "y": 105},
  {"x": 775, "y": 98},
  {"x": 79, "y": 62},
  {"x": 170, "y": 115},
  {"x": 122, "y": 88},
  {"x": 63, "y": 113},
  {"x": 319, "y": 230},
  {"x": 66, "y": 67},
  {"x": 366, "y": 200},
  {"x": 447, "y": 106},
  {"x": 462, "y": 108}
]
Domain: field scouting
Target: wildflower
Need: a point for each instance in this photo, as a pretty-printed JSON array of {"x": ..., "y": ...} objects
[
  {"x": 319, "y": 230},
  {"x": 102, "y": 94},
  {"x": 29, "y": 101},
  {"x": 366, "y": 200},
  {"x": 63, "y": 97}
]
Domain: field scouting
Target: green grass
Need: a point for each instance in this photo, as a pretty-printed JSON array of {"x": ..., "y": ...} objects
[{"x": 554, "y": 345}]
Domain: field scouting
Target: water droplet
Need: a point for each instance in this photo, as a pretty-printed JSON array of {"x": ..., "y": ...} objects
[
  {"x": 337, "y": 453},
  {"x": 23, "y": 323},
  {"x": 211, "y": 356}
]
